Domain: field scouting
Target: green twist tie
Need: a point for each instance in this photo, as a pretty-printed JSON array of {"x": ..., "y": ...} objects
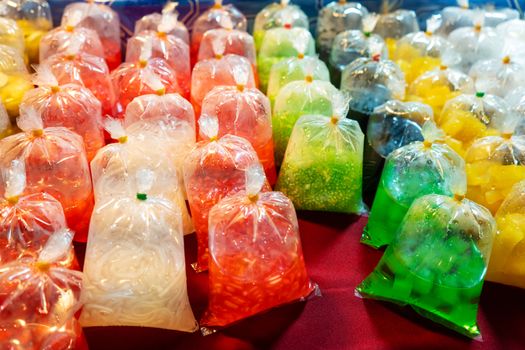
[
  {"x": 142, "y": 196},
  {"x": 480, "y": 94},
  {"x": 367, "y": 34}
]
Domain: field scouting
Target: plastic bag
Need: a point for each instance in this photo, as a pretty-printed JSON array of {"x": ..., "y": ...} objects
[
  {"x": 216, "y": 71},
  {"x": 14, "y": 79},
  {"x": 58, "y": 40},
  {"x": 352, "y": 44},
  {"x": 235, "y": 42},
  {"x": 280, "y": 44},
  {"x": 139, "y": 146},
  {"x": 70, "y": 105},
  {"x": 453, "y": 17},
  {"x": 438, "y": 86},
  {"x": 38, "y": 300},
  {"x": 495, "y": 164},
  {"x": 334, "y": 18},
  {"x": 469, "y": 117},
  {"x": 168, "y": 16},
  {"x": 28, "y": 221},
  {"x": 411, "y": 172},
  {"x": 92, "y": 72},
  {"x": 396, "y": 124},
  {"x": 132, "y": 79},
  {"x": 55, "y": 163},
  {"x": 214, "y": 169},
  {"x": 392, "y": 26},
  {"x": 134, "y": 272},
  {"x": 211, "y": 19},
  {"x": 6, "y": 128},
  {"x": 102, "y": 19},
  {"x": 437, "y": 262},
  {"x": 295, "y": 68},
  {"x": 276, "y": 15},
  {"x": 256, "y": 258},
  {"x": 11, "y": 35},
  {"x": 174, "y": 50},
  {"x": 507, "y": 260},
  {"x": 420, "y": 52},
  {"x": 296, "y": 99},
  {"x": 475, "y": 43},
  {"x": 244, "y": 112},
  {"x": 497, "y": 76},
  {"x": 323, "y": 164}
]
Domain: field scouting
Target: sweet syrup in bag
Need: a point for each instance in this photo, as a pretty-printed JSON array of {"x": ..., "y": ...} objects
[{"x": 256, "y": 259}]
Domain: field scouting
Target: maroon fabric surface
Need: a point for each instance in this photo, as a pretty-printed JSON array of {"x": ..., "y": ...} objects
[{"x": 337, "y": 320}]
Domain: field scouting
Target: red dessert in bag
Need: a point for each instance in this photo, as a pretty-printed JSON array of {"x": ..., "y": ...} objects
[
  {"x": 55, "y": 162},
  {"x": 214, "y": 169},
  {"x": 256, "y": 260}
]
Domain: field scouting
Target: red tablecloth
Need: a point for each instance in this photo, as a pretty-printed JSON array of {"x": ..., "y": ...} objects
[{"x": 337, "y": 320}]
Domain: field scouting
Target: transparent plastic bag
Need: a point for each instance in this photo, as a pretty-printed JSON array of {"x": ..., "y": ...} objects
[
  {"x": 462, "y": 16},
  {"x": 6, "y": 128},
  {"x": 437, "y": 262},
  {"x": 131, "y": 79},
  {"x": 102, "y": 19},
  {"x": 244, "y": 112},
  {"x": 396, "y": 124},
  {"x": 139, "y": 145},
  {"x": 438, "y": 86},
  {"x": 475, "y": 43},
  {"x": 92, "y": 72},
  {"x": 468, "y": 117},
  {"x": 420, "y": 52},
  {"x": 28, "y": 220},
  {"x": 508, "y": 255},
  {"x": 256, "y": 258},
  {"x": 495, "y": 164},
  {"x": 38, "y": 300},
  {"x": 323, "y": 165},
  {"x": 11, "y": 35},
  {"x": 334, "y": 18},
  {"x": 352, "y": 44},
  {"x": 168, "y": 16},
  {"x": 70, "y": 105},
  {"x": 214, "y": 169},
  {"x": 280, "y": 44},
  {"x": 211, "y": 19},
  {"x": 295, "y": 68},
  {"x": 174, "y": 50},
  {"x": 296, "y": 99},
  {"x": 15, "y": 80},
  {"x": 392, "y": 26},
  {"x": 411, "y": 172},
  {"x": 55, "y": 163},
  {"x": 217, "y": 71},
  {"x": 58, "y": 40},
  {"x": 134, "y": 271},
  {"x": 497, "y": 76},
  {"x": 276, "y": 15},
  {"x": 235, "y": 42}
]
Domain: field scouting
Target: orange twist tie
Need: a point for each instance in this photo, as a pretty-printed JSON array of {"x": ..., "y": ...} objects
[
  {"x": 477, "y": 27},
  {"x": 287, "y": 26},
  {"x": 162, "y": 35},
  {"x": 443, "y": 67},
  {"x": 12, "y": 200},
  {"x": 122, "y": 139},
  {"x": 70, "y": 57},
  {"x": 37, "y": 133},
  {"x": 161, "y": 91},
  {"x": 218, "y": 56},
  {"x": 143, "y": 63},
  {"x": 376, "y": 57},
  {"x": 459, "y": 197},
  {"x": 55, "y": 89},
  {"x": 43, "y": 266},
  {"x": 253, "y": 197},
  {"x": 334, "y": 120},
  {"x": 506, "y": 60},
  {"x": 69, "y": 29},
  {"x": 507, "y": 135},
  {"x": 427, "y": 144},
  {"x": 240, "y": 87},
  {"x": 309, "y": 78},
  {"x": 300, "y": 56}
]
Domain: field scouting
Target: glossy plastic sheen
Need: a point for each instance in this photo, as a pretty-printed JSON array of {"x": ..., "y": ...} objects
[
  {"x": 152, "y": 21},
  {"x": 213, "y": 170},
  {"x": 174, "y": 50},
  {"x": 245, "y": 113},
  {"x": 104, "y": 21},
  {"x": 73, "y": 107},
  {"x": 37, "y": 307},
  {"x": 59, "y": 39},
  {"x": 323, "y": 165},
  {"x": 437, "y": 262},
  {"x": 134, "y": 272},
  {"x": 89, "y": 71},
  {"x": 128, "y": 81},
  {"x": 55, "y": 163},
  {"x": 213, "y": 72},
  {"x": 256, "y": 259}
]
